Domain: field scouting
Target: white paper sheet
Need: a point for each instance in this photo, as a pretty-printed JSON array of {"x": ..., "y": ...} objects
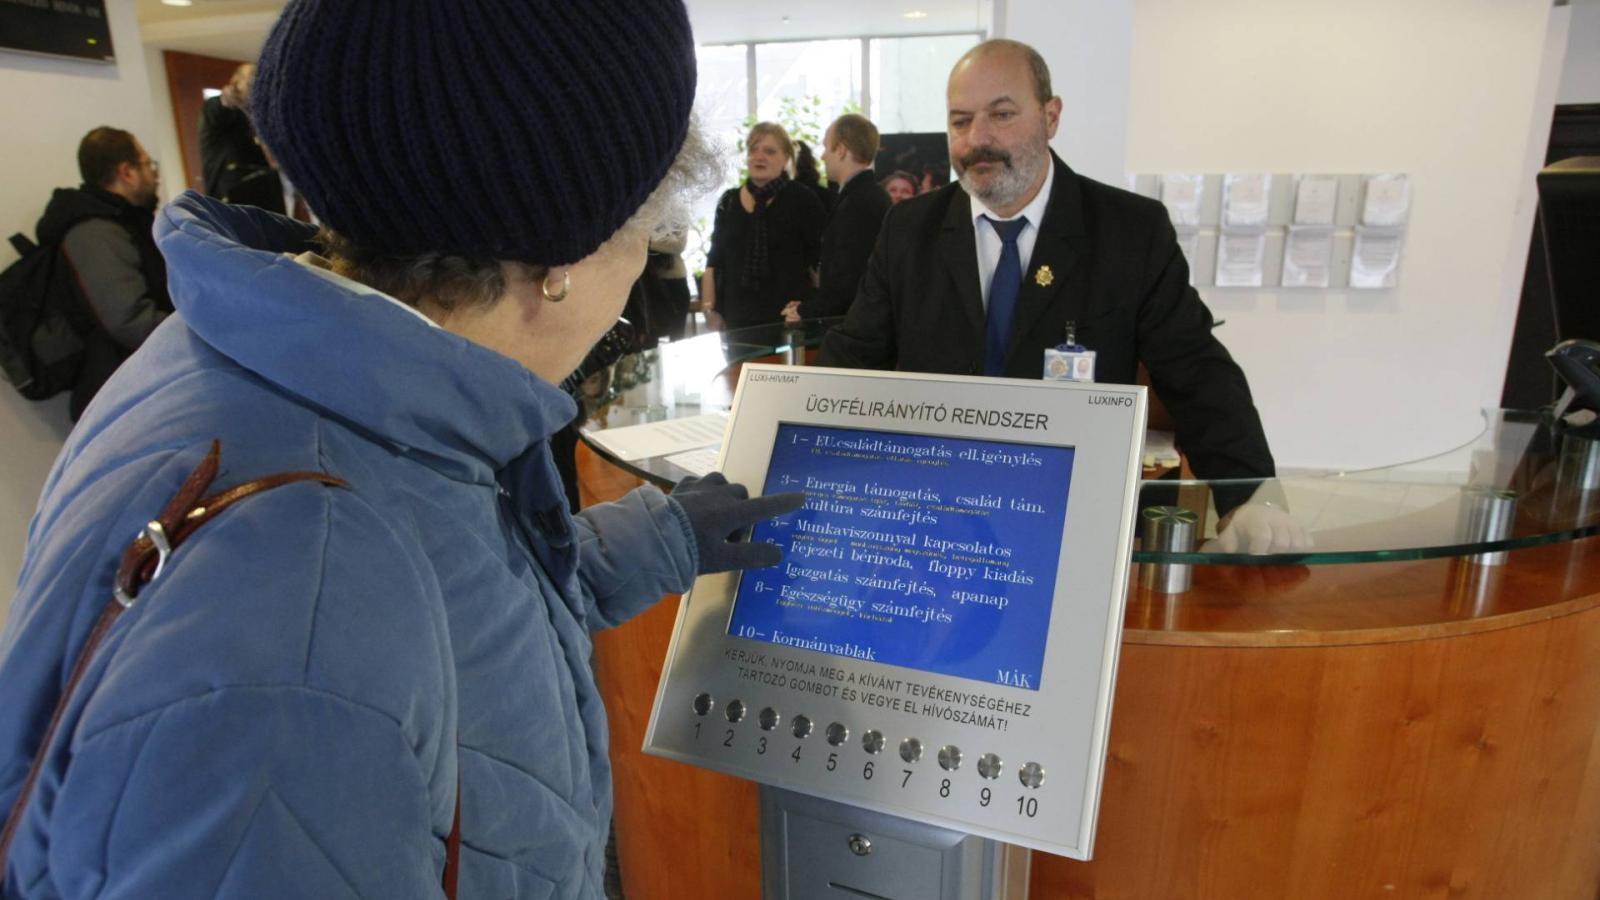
[
  {"x": 1182, "y": 195},
  {"x": 1375, "y": 261},
  {"x": 1316, "y": 197},
  {"x": 698, "y": 462},
  {"x": 662, "y": 438},
  {"x": 1388, "y": 200},
  {"x": 1245, "y": 200},
  {"x": 1308, "y": 257},
  {"x": 1239, "y": 257}
]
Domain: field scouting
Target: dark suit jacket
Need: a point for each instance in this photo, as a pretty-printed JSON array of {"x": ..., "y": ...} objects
[
  {"x": 1115, "y": 271},
  {"x": 846, "y": 244}
]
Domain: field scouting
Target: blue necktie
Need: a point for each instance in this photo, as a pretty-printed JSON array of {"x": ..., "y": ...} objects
[{"x": 1003, "y": 289}]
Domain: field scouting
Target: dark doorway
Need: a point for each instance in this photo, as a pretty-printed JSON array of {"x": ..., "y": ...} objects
[{"x": 1530, "y": 383}]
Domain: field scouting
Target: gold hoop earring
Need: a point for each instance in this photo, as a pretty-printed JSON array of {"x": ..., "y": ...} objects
[{"x": 566, "y": 285}]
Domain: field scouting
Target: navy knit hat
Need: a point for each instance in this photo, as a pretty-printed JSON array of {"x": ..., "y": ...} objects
[{"x": 526, "y": 130}]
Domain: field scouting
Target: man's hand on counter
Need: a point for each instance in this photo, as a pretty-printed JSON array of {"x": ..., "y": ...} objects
[{"x": 1258, "y": 528}]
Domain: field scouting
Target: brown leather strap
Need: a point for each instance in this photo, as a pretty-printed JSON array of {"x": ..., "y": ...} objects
[
  {"x": 452, "y": 844},
  {"x": 141, "y": 562},
  {"x": 102, "y": 625}
]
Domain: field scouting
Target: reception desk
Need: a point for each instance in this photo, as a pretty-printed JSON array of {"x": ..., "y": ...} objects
[{"x": 1411, "y": 708}]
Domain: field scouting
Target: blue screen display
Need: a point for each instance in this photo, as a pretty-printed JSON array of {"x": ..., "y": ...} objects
[{"x": 933, "y": 553}]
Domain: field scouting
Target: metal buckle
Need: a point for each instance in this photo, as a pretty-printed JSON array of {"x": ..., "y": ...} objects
[{"x": 156, "y": 534}]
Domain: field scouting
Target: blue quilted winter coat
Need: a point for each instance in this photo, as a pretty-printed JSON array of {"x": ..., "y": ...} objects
[{"x": 285, "y": 710}]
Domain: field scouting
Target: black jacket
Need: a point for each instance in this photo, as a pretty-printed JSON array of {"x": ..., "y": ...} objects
[
  {"x": 1114, "y": 269},
  {"x": 121, "y": 277},
  {"x": 846, "y": 245},
  {"x": 794, "y": 238},
  {"x": 235, "y": 168}
]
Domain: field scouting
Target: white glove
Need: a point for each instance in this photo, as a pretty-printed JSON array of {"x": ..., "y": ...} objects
[{"x": 1258, "y": 528}]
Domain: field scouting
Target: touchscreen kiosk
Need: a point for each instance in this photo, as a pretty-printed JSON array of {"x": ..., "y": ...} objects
[{"x": 940, "y": 641}]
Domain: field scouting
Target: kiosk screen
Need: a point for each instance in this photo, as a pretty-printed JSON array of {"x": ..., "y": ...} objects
[{"x": 930, "y": 552}]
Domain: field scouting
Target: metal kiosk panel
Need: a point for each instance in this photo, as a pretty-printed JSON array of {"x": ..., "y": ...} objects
[{"x": 940, "y": 642}]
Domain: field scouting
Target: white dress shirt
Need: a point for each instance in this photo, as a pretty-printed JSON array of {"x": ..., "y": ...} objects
[{"x": 988, "y": 240}]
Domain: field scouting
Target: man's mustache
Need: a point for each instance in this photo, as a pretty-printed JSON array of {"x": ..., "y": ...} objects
[{"x": 985, "y": 154}]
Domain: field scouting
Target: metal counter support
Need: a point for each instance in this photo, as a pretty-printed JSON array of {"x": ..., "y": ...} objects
[
  {"x": 1167, "y": 529},
  {"x": 1486, "y": 515}
]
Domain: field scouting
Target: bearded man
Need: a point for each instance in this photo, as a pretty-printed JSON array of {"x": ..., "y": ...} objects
[{"x": 980, "y": 277}]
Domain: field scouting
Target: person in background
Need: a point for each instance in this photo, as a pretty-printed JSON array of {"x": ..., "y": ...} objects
[
  {"x": 848, "y": 149},
  {"x": 765, "y": 239},
  {"x": 234, "y": 166},
  {"x": 980, "y": 277},
  {"x": 334, "y": 690},
  {"x": 901, "y": 186},
  {"x": 667, "y": 267},
  {"x": 103, "y": 228},
  {"x": 806, "y": 173}
]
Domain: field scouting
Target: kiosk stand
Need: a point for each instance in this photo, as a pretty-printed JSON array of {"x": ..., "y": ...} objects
[
  {"x": 935, "y": 657},
  {"x": 812, "y": 848}
]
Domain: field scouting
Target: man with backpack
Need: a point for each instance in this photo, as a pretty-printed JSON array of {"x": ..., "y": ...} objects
[{"x": 103, "y": 229}]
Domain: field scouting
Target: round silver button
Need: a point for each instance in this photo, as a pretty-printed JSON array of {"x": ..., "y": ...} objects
[
  {"x": 800, "y": 726},
  {"x": 950, "y": 757},
  {"x": 734, "y": 711},
  {"x": 872, "y": 742},
  {"x": 1031, "y": 775},
  {"x": 838, "y": 733},
  {"x": 769, "y": 718},
  {"x": 703, "y": 704},
  {"x": 910, "y": 750},
  {"x": 989, "y": 766}
]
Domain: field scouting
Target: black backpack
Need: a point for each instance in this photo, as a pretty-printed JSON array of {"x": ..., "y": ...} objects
[{"x": 42, "y": 321}]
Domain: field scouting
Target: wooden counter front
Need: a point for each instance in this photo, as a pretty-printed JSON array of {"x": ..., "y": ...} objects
[{"x": 1402, "y": 729}]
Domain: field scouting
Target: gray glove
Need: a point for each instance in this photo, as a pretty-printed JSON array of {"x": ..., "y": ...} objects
[{"x": 718, "y": 510}]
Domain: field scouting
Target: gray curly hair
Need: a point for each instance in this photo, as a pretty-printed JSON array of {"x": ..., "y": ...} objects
[{"x": 459, "y": 282}]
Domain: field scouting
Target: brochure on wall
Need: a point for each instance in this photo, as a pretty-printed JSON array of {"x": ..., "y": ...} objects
[
  {"x": 1375, "y": 261},
  {"x": 1308, "y": 257},
  {"x": 1245, "y": 200},
  {"x": 1240, "y": 254},
  {"x": 1189, "y": 243},
  {"x": 1316, "y": 198},
  {"x": 1183, "y": 195},
  {"x": 1388, "y": 200}
]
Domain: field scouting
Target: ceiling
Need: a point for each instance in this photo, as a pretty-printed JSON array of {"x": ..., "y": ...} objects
[{"x": 235, "y": 29}]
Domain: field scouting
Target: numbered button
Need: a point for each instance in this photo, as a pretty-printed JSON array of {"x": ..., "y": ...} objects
[
  {"x": 989, "y": 766},
  {"x": 734, "y": 711},
  {"x": 872, "y": 742},
  {"x": 838, "y": 734},
  {"x": 1031, "y": 775},
  {"x": 800, "y": 726},
  {"x": 703, "y": 704},
  {"x": 949, "y": 757},
  {"x": 769, "y": 719},
  {"x": 910, "y": 750}
]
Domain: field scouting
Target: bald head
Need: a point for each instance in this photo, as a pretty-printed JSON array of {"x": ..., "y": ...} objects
[{"x": 1000, "y": 51}]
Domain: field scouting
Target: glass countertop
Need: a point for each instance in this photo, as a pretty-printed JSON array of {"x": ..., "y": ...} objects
[{"x": 1520, "y": 483}]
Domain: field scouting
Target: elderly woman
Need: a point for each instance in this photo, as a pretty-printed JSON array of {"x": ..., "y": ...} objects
[
  {"x": 360, "y": 666},
  {"x": 766, "y": 238}
]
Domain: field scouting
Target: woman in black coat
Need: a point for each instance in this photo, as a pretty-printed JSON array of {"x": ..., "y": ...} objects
[{"x": 765, "y": 240}]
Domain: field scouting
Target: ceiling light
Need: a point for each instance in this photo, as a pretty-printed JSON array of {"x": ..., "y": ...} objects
[
  {"x": 915, "y": 14},
  {"x": 178, "y": 2}
]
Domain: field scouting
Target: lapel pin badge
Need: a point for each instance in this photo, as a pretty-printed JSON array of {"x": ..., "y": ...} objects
[{"x": 1043, "y": 277}]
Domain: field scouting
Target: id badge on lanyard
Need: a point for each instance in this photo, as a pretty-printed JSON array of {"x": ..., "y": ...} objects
[{"x": 1069, "y": 361}]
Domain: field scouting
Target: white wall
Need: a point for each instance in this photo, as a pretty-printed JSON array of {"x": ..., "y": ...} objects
[
  {"x": 1458, "y": 93},
  {"x": 1580, "y": 78},
  {"x": 49, "y": 104},
  {"x": 1089, "y": 46}
]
